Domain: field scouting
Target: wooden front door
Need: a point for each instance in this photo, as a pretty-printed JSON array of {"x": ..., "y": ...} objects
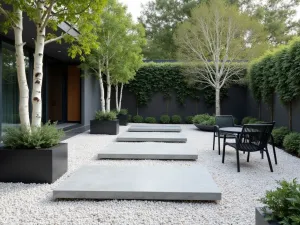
[{"x": 74, "y": 96}]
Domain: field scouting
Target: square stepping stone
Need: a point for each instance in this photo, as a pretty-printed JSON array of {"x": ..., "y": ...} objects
[
  {"x": 164, "y": 151},
  {"x": 151, "y": 137},
  {"x": 154, "y": 128},
  {"x": 145, "y": 182}
]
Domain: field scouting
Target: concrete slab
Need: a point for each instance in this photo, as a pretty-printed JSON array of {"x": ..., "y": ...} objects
[
  {"x": 154, "y": 128},
  {"x": 149, "y": 150},
  {"x": 151, "y": 182},
  {"x": 151, "y": 137}
]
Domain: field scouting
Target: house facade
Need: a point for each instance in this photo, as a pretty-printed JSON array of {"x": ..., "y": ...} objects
[{"x": 67, "y": 96}]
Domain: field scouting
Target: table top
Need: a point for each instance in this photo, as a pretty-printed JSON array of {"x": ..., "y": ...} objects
[{"x": 231, "y": 129}]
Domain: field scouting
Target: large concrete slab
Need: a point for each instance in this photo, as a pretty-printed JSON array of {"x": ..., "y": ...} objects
[
  {"x": 149, "y": 150},
  {"x": 151, "y": 137},
  {"x": 149, "y": 182},
  {"x": 154, "y": 128}
]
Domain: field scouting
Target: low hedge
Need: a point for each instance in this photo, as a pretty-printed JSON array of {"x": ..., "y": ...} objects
[
  {"x": 279, "y": 135},
  {"x": 176, "y": 119},
  {"x": 150, "y": 120},
  {"x": 291, "y": 143},
  {"x": 165, "y": 119},
  {"x": 189, "y": 119},
  {"x": 137, "y": 119}
]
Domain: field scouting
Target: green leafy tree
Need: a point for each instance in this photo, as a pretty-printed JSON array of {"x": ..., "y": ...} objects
[
  {"x": 47, "y": 15},
  {"x": 218, "y": 35},
  {"x": 118, "y": 55},
  {"x": 160, "y": 18}
]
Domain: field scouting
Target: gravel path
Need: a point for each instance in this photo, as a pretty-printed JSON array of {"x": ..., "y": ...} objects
[{"x": 33, "y": 204}]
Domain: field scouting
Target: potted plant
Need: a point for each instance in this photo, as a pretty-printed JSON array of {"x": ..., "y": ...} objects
[
  {"x": 204, "y": 122},
  {"x": 123, "y": 117},
  {"x": 282, "y": 206},
  {"x": 105, "y": 123},
  {"x": 33, "y": 155}
]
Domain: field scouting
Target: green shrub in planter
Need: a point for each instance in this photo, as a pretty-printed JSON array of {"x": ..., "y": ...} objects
[
  {"x": 176, "y": 119},
  {"x": 45, "y": 136},
  {"x": 291, "y": 142},
  {"x": 279, "y": 134},
  {"x": 165, "y": 119},
  {"x": 248, "y": 119},
  {"x": 204, "y": 119},
  {"x": 123, "y": 112},
  {"x": 283, "y": 204},
  {"x": 150, "y": 120},
  {"x": 106, "y": 115},
  {"x": 137, "y": 119},
  {"x": 189, "y": 119}
]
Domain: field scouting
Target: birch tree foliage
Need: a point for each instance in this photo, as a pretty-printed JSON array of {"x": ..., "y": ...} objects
[
  {"x": 47, "y": 15},
  {"x": 218, "y": 35},
  {"x": 118, "y": 54}
]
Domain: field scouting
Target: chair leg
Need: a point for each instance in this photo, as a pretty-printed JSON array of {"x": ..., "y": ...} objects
[
  {"x": 238, "y": 160},
  {"x": 248, "y": 156},
  {"x": 269, "y": 160},
  {"x": 223, "y": 155},
  {"x": 214, "y": 141},
  {"x": 262, "y": 154},
  {"x": 219, "y": 148},
  {"x": 274, "y": 150}
]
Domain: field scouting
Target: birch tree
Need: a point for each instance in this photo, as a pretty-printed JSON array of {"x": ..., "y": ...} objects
[
  {"x": 218, "y": 35},
  {"x": 118, "y": 37},
  {"x": 48, "y": 15}
]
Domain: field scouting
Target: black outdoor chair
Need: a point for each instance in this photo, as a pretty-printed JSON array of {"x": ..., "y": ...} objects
[
  {"x": 272, "y": 143},
  {"x": 222, "y": 121},
  {"x": 257, "y": 136}
]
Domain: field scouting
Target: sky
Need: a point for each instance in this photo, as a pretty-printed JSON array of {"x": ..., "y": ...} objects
[{"x": 134, "y": 7}]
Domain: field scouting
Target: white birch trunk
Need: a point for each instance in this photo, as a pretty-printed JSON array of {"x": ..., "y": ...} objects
[
  {"x": 38, "y": 71},
  {"x": 108, "y": 91},
  {"x": 117, "y": 97},
  {"x": 21, "y": 71},
  {"x": 102, "y": 100},
  {"x": 218, "y": 107},
  {"x": 121, "y": 95}
]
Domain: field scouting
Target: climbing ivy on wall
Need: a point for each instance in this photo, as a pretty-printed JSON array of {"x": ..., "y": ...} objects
[{"x": 168, "y": 78}]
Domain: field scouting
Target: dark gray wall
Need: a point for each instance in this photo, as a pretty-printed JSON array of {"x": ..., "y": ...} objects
[{"x": 90, "y": 98}]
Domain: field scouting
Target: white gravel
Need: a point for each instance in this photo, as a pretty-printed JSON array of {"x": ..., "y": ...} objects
[{"x": 33, "y": 204}]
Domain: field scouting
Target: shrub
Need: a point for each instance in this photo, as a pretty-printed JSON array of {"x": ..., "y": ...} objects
[
  {"x": 189, "y": 119},
  {"x": 291, "y": 142},
  {"x": 176, "y": 119},
  {"x": 284, "y": 203},
  {"x": 106, "y": 115},
  {"x": 137, "y": 119},
  {"x": 279, "y": 134},
  {"x": 204, "y": 119},
  {"x": 150, "y": 120},
  {"x": 129, "y": 119},
  {"x": 123, "y": 112},
  {"x": 248, "y": 120},
  {"x": 45, "y": 136},
  {"x": 165, "y": 119}
]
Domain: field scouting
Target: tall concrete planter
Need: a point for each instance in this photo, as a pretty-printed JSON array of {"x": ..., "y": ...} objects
[
  {"x": 33, "y": 165},
  {"x": 260, "y": 218},
  {"x": 123, "y": 119},
  {"x": 104, "y": 127}
]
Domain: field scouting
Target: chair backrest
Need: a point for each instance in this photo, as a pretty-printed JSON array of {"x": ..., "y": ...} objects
[
  {"x": 225, "y": 121},
  {"x": 257, "y": 134}
]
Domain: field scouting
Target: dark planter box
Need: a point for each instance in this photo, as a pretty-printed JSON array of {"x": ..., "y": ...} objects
[
  {"x": 123, "y": 119},
  {"x": 209, "y": 128},
  {"x": 33, "y": 165},
  {"x": 260, "y": 218},
  {"x": 104, "y": 127}
]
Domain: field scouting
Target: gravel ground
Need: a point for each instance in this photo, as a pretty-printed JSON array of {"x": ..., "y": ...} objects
[{"x": 33, "y": 203}]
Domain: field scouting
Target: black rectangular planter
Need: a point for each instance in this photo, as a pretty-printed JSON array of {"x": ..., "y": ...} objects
[
  {"x": 104, "y": 127},
  {"x": 123, "y": 119},
  {"x": 260, "y": 218},
  {"x": 33, "y": 165}
]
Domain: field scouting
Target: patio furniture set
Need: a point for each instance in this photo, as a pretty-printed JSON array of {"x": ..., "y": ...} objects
[{"x": 248, "y": 138}]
